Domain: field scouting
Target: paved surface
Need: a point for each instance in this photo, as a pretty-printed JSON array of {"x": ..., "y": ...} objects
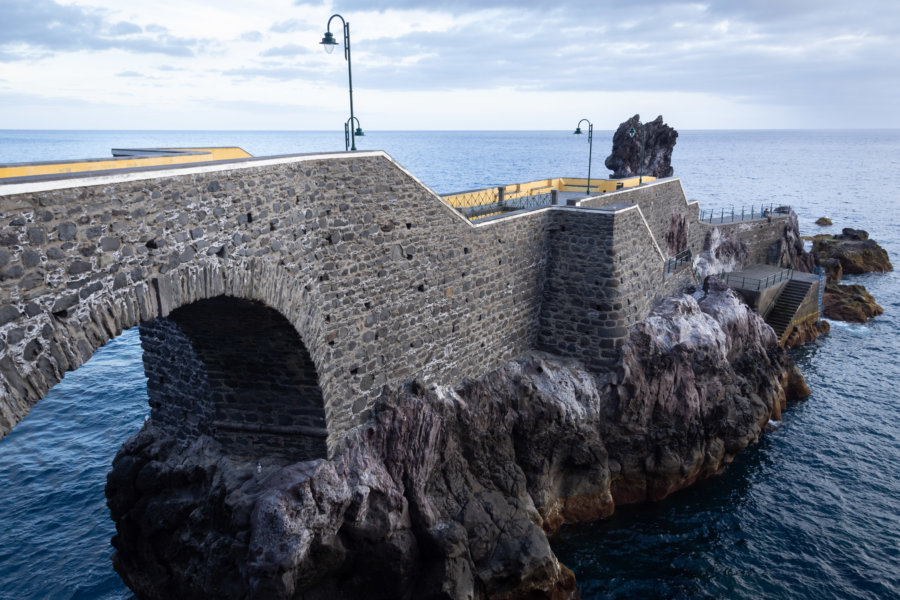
[{"x": 749, "y": 278}]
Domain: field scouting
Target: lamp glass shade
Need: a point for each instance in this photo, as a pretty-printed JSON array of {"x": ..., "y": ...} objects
[
  {"x": 578, "y": 131},
  {"x": 328, "y": 42},
  {"x": 358, "y": 132}
]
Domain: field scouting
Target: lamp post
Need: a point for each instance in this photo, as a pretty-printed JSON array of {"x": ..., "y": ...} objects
[
  {"x": 590, "y": 148},
  {"x": 328, "y": 42},
  {"x": 631, "y": 133},
  {"x": 349, "y": 131}
]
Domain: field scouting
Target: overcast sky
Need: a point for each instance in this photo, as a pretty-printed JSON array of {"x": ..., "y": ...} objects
[{"x": 452, "y": 64}]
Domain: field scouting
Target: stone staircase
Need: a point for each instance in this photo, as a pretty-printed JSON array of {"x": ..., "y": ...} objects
[{"x": 785, "y": 308}]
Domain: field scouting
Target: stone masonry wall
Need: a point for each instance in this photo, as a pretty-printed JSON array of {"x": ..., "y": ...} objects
[
  {"x": 658, "y": 201},
  {"x": 757, "y": 235},
  {"x": 382, "y": 280},
  {"x": 604, "y": 274}
]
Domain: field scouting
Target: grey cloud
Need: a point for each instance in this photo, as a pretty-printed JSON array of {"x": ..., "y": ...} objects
[
  {"x": 129, "y": 74},
  {"x": 169, "y": 68},
  {"x": 251, "y": 36},
  {"x": 288, "y": 50},
  {"x": 737, "y": 50},
  {"x": 48, "y": 25}
]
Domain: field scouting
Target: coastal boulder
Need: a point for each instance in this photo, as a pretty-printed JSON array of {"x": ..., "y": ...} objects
[
  {"x": 854, "y": 250},
  {"x": 850, "y": 302}
]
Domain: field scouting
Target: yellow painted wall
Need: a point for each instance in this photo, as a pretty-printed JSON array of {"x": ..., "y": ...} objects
[{"x": 82, "y": 166}]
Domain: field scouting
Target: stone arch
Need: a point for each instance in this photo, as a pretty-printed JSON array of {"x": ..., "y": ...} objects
[
  {"x": 65, "y": 337},
  {"x": 235, "y": 370}
]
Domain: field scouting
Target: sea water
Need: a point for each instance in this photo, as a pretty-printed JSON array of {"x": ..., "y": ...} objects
[{"x": 811, "y": 511}]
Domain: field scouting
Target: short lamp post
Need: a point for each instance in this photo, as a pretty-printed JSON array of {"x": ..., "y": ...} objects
[
  {"x": 328, "y": 42},
  {"x": 350, "y": 133},
  {"x": 590, "y": 148},
  {"x": 631, "y": 133}
]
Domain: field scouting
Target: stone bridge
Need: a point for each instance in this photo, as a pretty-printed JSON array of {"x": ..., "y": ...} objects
[{"x": 278, "y": 296}]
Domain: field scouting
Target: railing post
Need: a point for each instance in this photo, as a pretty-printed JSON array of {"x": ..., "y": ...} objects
[
  {"x": 501, "y": 191},
  {"x": 554, "y": 197}
]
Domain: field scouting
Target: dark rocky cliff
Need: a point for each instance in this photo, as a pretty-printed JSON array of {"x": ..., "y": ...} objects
[{"x": 449, "y": 493}]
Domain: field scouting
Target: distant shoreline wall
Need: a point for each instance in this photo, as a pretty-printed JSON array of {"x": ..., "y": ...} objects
[{"x": 383, "y": 281}]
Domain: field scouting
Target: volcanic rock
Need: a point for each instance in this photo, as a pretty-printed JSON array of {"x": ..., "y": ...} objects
[
  {"x": 833, "y": 269},
  {"x": 722, "y": 251},
  {"x": 659, "y": 141},
  {"x": 850, "y": 302},
  {"x": 855, "y": 251},
  {"x": 449, "y": 493},
  {"x": 806, "y": 332},
  {"x": 788, "y": 251}
]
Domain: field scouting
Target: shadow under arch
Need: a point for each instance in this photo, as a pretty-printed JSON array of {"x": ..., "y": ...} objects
[{"x": 238, "y": 371}]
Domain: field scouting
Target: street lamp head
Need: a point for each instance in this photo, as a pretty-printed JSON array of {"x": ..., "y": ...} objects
[
  {"x": 578, "y": 131},
  {"x": 359, "y": 132},
  {"x": 328, "y": 42},
  {"x": 631, "y": 132}
]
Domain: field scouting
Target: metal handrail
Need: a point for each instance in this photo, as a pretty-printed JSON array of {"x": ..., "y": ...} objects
[
  {"x": 673, "y": 263},
  {"x": 747, "y": 214},
  {"x": 761, "y": 284}
]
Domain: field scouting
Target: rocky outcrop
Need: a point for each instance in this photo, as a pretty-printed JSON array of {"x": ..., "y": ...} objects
[
  {"x": 723, "y": 251},
  {"x": 833, "y": 269},
  {"x": 658, "y": 140},
  {"x": 806, "y": 332},
  {"x": 823, "y": 222},
  {"x": 854, "y": 250},
  {"x": 789, "y": 250},
  {"x": 850, "y": 302},
  {"x": 449, "y": 493},
  {"x": 676, "y": 234}
]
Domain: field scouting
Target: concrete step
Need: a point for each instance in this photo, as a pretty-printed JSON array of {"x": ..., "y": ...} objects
[{"x": 786, "y": 305}]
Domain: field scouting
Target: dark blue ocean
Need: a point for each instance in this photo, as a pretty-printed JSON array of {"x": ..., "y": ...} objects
[{"x": 811, "y": 512}]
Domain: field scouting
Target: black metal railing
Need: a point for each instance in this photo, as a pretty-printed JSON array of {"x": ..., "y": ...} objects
[
  {"x": 673, "y": 263},
  {"x": 731, "y": 215},
  {"x": 752, "y": 283}
]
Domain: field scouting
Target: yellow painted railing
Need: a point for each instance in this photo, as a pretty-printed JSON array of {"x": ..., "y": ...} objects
[
  {"x": 153, "y": 158},
  {"x": 541, "y": 186}
]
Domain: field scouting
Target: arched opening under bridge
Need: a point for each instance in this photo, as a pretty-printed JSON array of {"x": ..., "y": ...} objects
[{"x": 238, "y": 371}]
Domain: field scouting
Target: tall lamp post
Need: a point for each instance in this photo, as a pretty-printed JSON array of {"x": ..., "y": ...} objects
[
  {"x": 328, "y": 42},
  {"x": 631, "y": 133},
  {"x": 590, "y": 148}
]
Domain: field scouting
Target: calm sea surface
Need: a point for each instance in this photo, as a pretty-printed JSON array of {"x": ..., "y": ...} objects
[{"x": 812, "y": 511}]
